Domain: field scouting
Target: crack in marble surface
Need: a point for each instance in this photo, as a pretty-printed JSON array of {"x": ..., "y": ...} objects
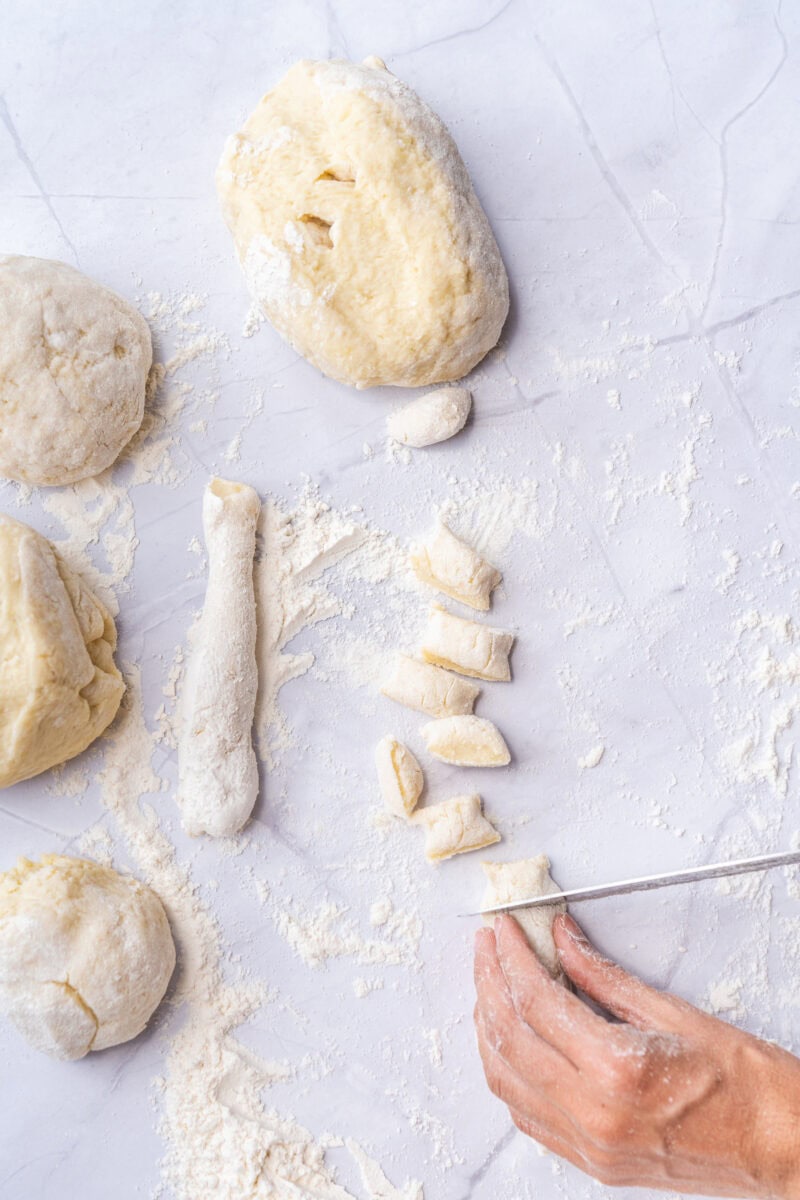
[{"x": 26, "y": 160}]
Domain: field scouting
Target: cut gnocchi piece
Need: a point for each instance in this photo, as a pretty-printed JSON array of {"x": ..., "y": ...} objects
[
  {"x": 466, "y": 742},
  {"x": 529, "y": 877},
  {"x": 454, "y": 827},
  {"x": 432, "y": 418},
  {"x": 467, "y": 646},
  {"x": 451, "y": 566},
  {"x": 399, "y": 775},
  {"x": 430, "y": 689}
]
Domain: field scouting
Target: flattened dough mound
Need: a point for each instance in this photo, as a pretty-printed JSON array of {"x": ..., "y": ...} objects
[
  {"x": 60, "y": 685},
  {"x": 74, "y": 359},
  {"x": 522, "y": 880},
  {"x": 85, "y": 954},
  {"x": 358, "y": 229}
]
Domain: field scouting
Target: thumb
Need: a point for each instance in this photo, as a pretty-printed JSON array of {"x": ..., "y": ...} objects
[{"x": 622, "y": 994}]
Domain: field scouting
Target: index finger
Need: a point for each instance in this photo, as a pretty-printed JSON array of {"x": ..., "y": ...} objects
[{"x": 549, "y": 1008}]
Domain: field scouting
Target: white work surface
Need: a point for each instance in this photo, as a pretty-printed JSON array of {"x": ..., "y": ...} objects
[{"x": 638, "y": 163}]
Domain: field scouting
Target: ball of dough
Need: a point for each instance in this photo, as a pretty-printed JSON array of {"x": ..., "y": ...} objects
[
  {"x": 358, "y": 229},
  {"x": 74, "y": 359},
  {"x": 60, "y": 685},
  {"x": 85, "y": 954}
]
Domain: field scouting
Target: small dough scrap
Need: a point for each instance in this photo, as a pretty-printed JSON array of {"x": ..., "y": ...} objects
[
  {"x": 430, "y": 689},
  {"x": 74, "y": 360},
  {"x": 59, "y": 685},
  {"x": 430, "y": 419},
  {"x": 399, "y": 775},
  {"x": 358, "y": 229},
  {"x": 529, "y": 877},
  {"x": 218, "y": 772},
  {"x": 454, "y": 827},
  {"x": 467, "y": 646},
  {"x": 85, "y": 954},
  {"x": 466, "y": 742},
  {"x": 449, "y": 565}
]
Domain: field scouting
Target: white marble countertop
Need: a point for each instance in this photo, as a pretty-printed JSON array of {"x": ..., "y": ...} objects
[{"x": 638, "y": 164}]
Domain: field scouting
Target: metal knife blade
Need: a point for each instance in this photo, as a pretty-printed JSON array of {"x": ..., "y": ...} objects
[{"x": 645, "y": 883}]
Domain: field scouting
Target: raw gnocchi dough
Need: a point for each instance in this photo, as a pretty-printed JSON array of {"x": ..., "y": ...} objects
[
  {"x": 399, "y": 775},
  {"x": 508, "y": 881},
  {"x": 429, "y": 689},
  {"x": 466, "y": 742},
  {"x": 85, "y": 954},
  {"x": 430, "y": 419},
  {"x": 467, "y": 646},
  {"x": 454, "y": 827},
  {"x": 358, "y": 229},
  {"x": 451, "y": 566},
  {"x": 59, "y": 685},
  {"x": 74, "y": 359},
  {"x": 218, "y": 772}
]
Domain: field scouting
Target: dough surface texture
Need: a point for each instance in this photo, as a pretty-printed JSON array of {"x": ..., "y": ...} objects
[
  {"x": 451, "y": 566},
  {"x": 454, "y": 827},
  {"x": 85, "y": 954},
  {"x": 468, "y": 647},
  {"x": 217, "y": 768},
  {"x": 399, "y": 775},
  {"x": 430, "y": 419},
  {"x": 74, "y": 360},
  {"x": 60, "y": 685},
  {"x": 466, "y": 742},
  {"x": 507, "y": 881},
  {"x": 358, "y": 229},
  {"x": 429, "y": 689}
]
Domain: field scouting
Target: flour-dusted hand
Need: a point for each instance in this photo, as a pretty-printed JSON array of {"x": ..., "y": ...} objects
[
  {"x": 670, "y": 1098},
  {"x": 218, "y": 772}
]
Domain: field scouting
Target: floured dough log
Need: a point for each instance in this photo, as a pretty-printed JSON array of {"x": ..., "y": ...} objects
[
  {"x": 430, "y": 419},
  {"x": 74, "y": 359},
  {"x": 429, "y": 689},
  {"x": 449, "y": 565},
  {"x": 466, "y": 742},
  {"x": 218, "y": 773},
  {"x": 358, "y": 229},
  {"x": 467, "y": 646},
  {"x": 59, "y": 685},
  {"x": 399, "y": 775},
  {"x": 508, "y": 881},
  {"x": 85, "y": 954},
  {"x": 454, "y": 827}
]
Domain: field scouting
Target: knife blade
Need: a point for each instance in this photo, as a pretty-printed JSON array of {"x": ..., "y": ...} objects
[{"x": 646, "y": 883}]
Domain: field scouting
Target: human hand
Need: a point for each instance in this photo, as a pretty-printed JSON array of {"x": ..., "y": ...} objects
[{"x": 671, "y": 1098}]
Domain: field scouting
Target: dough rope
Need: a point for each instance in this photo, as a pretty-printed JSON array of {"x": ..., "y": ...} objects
[{"x": 217, "y": 768}]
